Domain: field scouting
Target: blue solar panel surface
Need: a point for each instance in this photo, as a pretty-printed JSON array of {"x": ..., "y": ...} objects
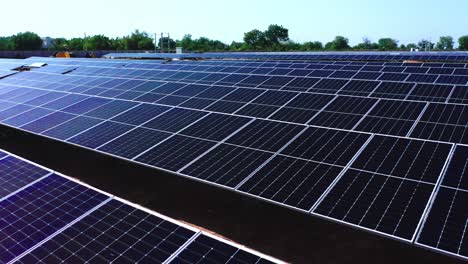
[
  {"x": 49, "y": 218},
  {"x": 311, "y": 135}
]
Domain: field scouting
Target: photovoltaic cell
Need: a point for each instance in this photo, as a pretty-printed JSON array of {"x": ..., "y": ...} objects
[
  {"x": 459, "y": 95},
  {"x": 358, "y": 87},
  {"x": 444, "y": 122},
  {"x": 265, "y": 135},
  {"x": 215, "y": 126},
  {"x": 405, "y": 158},
  {"x": 13, "y": 111},
  {"x": 329, "y": 85},
  {"x": 134, "y": 142},
  {"x": 140, "y": 114},
  {"x": 343, "y": 112},
  {"x": 115, "y": 232},
  {"x": 38, "y": 211},
  {"x": 227, "y": 165},
  {"x": 331, "y": 146},
  {"x": 100, "y": 134},
  {"x": 71, "y": 128},
  {"x": 205, "y": 249},
  {"x": 16, "y": 173},
  {"x": 111, "y": 109},
  {"x": 176, "y": 152},
  {"x": 377, "y": 202},
  {"x": 391, "y": 117},
  {"x": 47, "y": 122},
  {"x": 446, "y": 225},
  {"x": 175, "y": 119},
  {"x": 65, "y": 101},
  {"x": 430, "y": 92},
  {"x": 27, "y": 117},
  {"x": 393, "y": 90},
  {"x": 294, "y": 182},
  {"x": 457, "y": 169}
]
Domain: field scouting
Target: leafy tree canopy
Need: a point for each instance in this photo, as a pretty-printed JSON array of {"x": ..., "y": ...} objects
[
  {"x": 387, "y": 44},
  {"x": 463, "y": 43},
  {"x": 26, "y": 41},
  {"x": 445, "y": 43}
]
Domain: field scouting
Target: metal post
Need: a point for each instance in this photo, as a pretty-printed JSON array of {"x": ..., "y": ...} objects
[
  {"x": 168, "y": 43},
  {"x": 162, "y": 43},
  {"x": 155, "y": 42}
]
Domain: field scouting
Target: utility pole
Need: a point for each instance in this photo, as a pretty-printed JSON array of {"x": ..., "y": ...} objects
[
  {"x": 162, "y": 43},
  {"x": 168, "y": 43},
  {"x": 155, "y": 42}
]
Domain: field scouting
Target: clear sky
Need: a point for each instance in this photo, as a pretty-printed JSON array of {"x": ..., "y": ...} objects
[{"x": 404, "y": 20}]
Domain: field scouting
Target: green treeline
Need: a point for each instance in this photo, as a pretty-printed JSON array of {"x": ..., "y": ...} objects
[{"x": 274, "y": 38}]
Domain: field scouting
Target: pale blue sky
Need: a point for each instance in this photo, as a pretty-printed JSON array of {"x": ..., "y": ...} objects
[{"x": 404, "y": 20}]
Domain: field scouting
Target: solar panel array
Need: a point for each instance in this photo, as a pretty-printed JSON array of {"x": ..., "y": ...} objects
[
  {"x": 375, "y": 145},
  {"x": 359, "y": 56},
  {"x": 50, "y": 218}
]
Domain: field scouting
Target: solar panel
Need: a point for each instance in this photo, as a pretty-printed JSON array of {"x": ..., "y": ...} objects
[
  {"x": 207, "y": 249},
  {"x": 445, "y": 226},
  {"x": 227, "y": 165},
  {"x": 391, "y": 117},
  {"x": 374, "y": 133},
  {"x": 48, "y": 218},
  {"x": 40, "y": 210}
]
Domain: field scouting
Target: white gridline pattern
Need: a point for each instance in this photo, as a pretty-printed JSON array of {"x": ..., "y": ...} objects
[{"x": 137, "y": 215}]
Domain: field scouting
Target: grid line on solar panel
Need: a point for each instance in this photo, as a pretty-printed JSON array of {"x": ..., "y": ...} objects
[
  {"x": 444, "y": 225},
  {"x": 266, "y": 135},
  {"x": 391, "y": 117},
  {"x": 373, "y": 201},
  {"x": 99, "y": 135},
  {"x": 443, "y": 122},
  {"x": 206, "y": 249},
  {"x": 40, "y": 210},
  {"x": 174, "y": 153},
  {"x": 385, "y": 189},
  {"x": 26, "y": 117},
  {"x": 226, "y": 164},
  {"x": 444, "y": 229},
  {"x": 115, "y": 232},
  {"x": 15, "y": 174},
  {"x": 343, "y": 112}
]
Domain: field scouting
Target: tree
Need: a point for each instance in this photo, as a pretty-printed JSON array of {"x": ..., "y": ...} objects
[
  {"x": 186, "y": 42},
  {"x": 97, "y": 42},
  {"x": 26, "y": 41},
  {"x": 445, "y": 43},
  {"x": 255, "y": 39},
  {"x": 166, "y": 43},
  {"x": 238, "y": 46},
  {"x": 387, "y": 44},
  {"x": 60, "y": 44},
  {"x": 276, "y": 34},
  {"x": 138, "y": 41},
  {"x": 339, "y": 43},
  {"x": 366, "y": 45},
  {"x": 425, "y": 44},
  {"x": 411, "y": 46},
  {"x": 312, "y": 45},
  {"x": 75, "y": 44},
  {"x": 463, "y": 43},
  {"x": 6, "y": 43}
]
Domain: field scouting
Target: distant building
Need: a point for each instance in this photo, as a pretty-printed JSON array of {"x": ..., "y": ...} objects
[{"x": 47, "y": 42}]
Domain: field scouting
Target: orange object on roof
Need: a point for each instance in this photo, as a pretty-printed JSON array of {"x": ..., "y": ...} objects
[{"x": 62, "y": 54}]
